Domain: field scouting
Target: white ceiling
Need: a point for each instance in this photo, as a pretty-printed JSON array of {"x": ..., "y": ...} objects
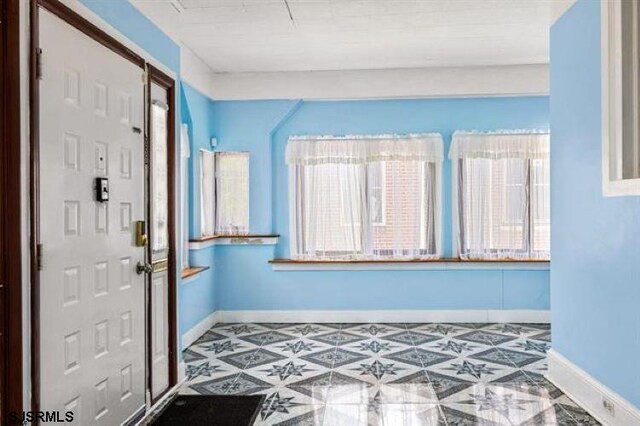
[{"x": 260, "y": 35}]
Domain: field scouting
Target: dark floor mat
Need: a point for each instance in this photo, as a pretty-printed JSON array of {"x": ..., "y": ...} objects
[{"x": 211, "y": 410}]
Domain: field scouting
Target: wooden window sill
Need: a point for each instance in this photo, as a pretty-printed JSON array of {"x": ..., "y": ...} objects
[
  {"x": 220, "y": 240},
  {"x": 394, "y": 265},
  {"x": 193, "y": 271}
]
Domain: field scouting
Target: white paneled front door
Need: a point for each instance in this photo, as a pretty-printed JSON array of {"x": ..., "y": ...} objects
[{"x": 92, "y": 347}]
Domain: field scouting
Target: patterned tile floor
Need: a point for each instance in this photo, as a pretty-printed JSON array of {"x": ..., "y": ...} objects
[{"x": 384, "y": 374}]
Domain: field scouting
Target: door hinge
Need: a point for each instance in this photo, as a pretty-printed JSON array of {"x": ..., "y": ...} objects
[
  {"x": 147, "y": 150},
  {"x": 39, "y": 63},
  {"x": 39, "y": 264}
]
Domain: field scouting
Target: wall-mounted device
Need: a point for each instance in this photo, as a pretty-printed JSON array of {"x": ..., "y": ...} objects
[
  {"x": 214, "y": 142},
  {"x": 102, "y": 190}
]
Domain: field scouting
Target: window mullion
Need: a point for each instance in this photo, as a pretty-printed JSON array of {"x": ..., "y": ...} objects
[
  {"x": 366, "y": 216},
  {"x": 529, "y": 219}
]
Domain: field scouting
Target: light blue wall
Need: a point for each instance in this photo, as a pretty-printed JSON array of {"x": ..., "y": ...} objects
[
  {"x": 246, "y": 281},
  {"x": 197, "y": 296},
  {"x": 197, "y": 114},
  {"x": 127, "y": 19},
  {"x": 595, "y": 275}
]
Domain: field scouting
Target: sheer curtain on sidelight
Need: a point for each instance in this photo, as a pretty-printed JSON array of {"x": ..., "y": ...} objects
[
  {"x": 159, "y": 180},
  {"x": 364, "y": 197},
  {"x": 501, "y": 195}
]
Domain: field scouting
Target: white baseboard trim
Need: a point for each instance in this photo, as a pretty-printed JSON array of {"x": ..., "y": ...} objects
[
  {"x": 530, "y": 316},
  {"x": 199, "y": 329},
  {"x": 589, "y": 393}
]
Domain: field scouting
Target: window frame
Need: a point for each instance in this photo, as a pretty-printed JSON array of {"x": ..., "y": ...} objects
[
  {"x": 294, "y": 173},
  {"x": 217, "y": 203},
  {"x": 455, "y": 182},
  {"x": 612, "y": 102}
]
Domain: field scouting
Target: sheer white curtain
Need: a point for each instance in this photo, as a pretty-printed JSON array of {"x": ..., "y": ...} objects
[
  {"x": 501, "y": 195},
  {"x": 207, "y": 193},
  {"x": 159, "y": 187},
  {"x": 232, "y": 193},
  {"x": 185, "y": 152},
  {"x": 364, "y": 197}
]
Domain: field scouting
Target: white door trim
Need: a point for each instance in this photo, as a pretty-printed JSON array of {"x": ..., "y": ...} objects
[{"x": 103, "y": 25}]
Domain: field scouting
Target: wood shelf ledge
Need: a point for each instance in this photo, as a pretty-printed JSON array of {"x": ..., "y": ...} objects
[
  {"x": 193, "y": 271},
  {"x": 241, "y": 240},
  {"x": 217, "y": 237}
]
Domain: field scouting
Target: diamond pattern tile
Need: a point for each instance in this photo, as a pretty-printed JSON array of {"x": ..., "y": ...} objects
[
  {"x": 338, "y": 338},
  {"x": 507, "y": 357},
  {"x": 411, "y": 338},
  {"x": 332, "y": 358},
  {"x": 419, "y": 357},
  {"x": 250, "y": 359},
  {"x": 486, "y": 337},
  {"x": 384, "y": 374},
  {"x": 266, "y": 338}
]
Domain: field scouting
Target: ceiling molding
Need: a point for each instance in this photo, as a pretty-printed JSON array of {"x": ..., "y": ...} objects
[
  {"x": 510, "y": 80},
  {"x": 559, "y": 8},
  {"x": 195, "y": 72}
]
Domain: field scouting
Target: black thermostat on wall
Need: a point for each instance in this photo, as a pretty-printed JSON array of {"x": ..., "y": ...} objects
[{"x": 102, "y": 189}]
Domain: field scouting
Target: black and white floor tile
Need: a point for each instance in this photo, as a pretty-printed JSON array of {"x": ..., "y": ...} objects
[{"x": 384, "y": 374}]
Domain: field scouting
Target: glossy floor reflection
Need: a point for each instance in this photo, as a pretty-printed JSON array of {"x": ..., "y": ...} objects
[{"x": 384, "y": 374}]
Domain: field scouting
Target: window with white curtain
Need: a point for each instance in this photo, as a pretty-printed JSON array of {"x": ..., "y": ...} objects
[
  {"x": 501, "y": 195},
  {"x": 185, "y": 152},
  {"x": 365, "y": 197},
  {"x": 224, "y": 193},
  {"x": 232, "y": 193},
  {"x": 207, "y": 193}
]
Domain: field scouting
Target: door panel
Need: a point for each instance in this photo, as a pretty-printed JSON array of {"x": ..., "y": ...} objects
[
  {"x": 91, "y": 299},
  {"x": 159, "y": 332}
]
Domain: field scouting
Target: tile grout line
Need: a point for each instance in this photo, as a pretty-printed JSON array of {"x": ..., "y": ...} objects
[
  {"x": 424, "y": 369},
  {"x": 245, "y": 368},
  {"x": 536, "y": 384}
]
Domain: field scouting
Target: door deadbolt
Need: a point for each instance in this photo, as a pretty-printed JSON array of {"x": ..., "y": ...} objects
[{"x": 141, "y": 233}]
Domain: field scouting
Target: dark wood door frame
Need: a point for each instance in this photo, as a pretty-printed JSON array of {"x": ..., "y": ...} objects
[
  {"x": 11, "y": 341},
  {"x": 77, "y": 21},
  {"x": 166, "y": 82}
]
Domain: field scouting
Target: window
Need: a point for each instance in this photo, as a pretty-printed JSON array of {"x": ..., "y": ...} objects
[
  {"x": 501, "y": 195},
  {"x": 620, "y": 95},
  {"x": 373, "y": 197},
  {"x": 232, "y": 193},
  {"x": 207, "y": 193},
  {"x": 184, "y": 192},
  {"x": 224, "y": 193}
]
